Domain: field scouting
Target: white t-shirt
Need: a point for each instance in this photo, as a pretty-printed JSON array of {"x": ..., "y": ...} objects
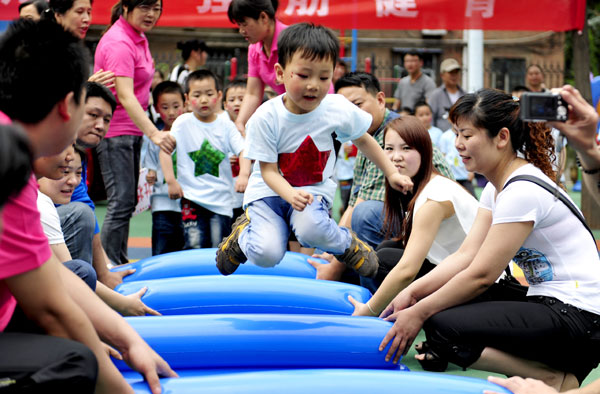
[
  {"x": 302, "y": 145},
  {"x": 453, "y": 230},
  {"x": 203, "y": 168},
  {"x": 179, "y": 76},
  {"x": 559, "y": 258},
  {"x": 50, "y": 219},
  {"x": 159, "y": 200}
]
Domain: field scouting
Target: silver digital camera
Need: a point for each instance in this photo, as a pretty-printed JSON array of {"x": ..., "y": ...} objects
[{"x": 543, "y": 107}]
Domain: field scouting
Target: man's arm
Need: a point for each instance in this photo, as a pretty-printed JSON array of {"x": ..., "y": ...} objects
[{"x": 54, "y": 311}]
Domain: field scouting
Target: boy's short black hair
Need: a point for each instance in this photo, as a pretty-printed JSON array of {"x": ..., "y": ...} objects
[
  {"x": 236, "y": 83},
  {"x": 186, "y": 47},
  {"x": 240, "y": 9},
  {"x": 416, "y": 53},
  {"x": 167, "y": 87},
  {"x": 15, "y": 161},
  {"x": 94, "y": 89},
  {"x": 39, "y": 57},
  {"x": 421, "y": 104},
  {"x": 313, "y": 41},
  {"x": 359, "y": 79},
  {"x": 200, "y": 75}
]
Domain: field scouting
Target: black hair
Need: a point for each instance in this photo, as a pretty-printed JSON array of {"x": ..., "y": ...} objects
[
  {"x": 119, "y": 8},
  {"x": 240, "y": 9},
  {"x": 315, "y": 42},
  {"x": 40, "y": 5},
  {"x": 236, "y": 83},
  {"x": 493, "y": 109},
  {"x": 200, "y": 75},
  {"x": 359, "y": 79},
  {"x": 43, "y": 57},
  {"x": 94, "y": 89},
  {"x": 167, "y": 87},
  {"x": 421, "y": 104},
  {"x": 535, "y": 65},
  {"x": 62, "y": 6},
  {"x": 81, "y": 152},
  {"x": 414, "y": 53},
  {"x": 521, "y": 88},
  {"x": 15, "y": 161},
  {"x": 186, "y": 47}
]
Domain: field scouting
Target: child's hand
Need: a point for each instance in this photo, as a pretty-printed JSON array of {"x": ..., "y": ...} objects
[
  {"x": 241, "y": 183},
  {"x": 400, "y": 182},
  {"x": 151, "y": 177},
  {"x": 300, "y": 199},
  {"x": 175, "y": 190}
]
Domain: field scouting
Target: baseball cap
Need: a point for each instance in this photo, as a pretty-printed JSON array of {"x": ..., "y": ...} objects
[{"x": 449, "y": 65}]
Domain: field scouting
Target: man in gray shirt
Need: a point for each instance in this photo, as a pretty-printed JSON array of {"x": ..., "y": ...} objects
[
  {"x": 446, "y": 95},
  {"x": 415, "y": 87}
]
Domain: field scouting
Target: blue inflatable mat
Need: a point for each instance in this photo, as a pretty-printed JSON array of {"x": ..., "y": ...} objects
[
  {"x": 264, "y": 341},
  {"x": 202, "y": 262},
  {"x": 247, "y": 294},
  {"x": 326, "y": 381}
]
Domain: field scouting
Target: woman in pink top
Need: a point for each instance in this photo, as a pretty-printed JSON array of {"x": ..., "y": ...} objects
[
  {"x": 257, "y": 23},
  {"x": 124, "y": 50}
]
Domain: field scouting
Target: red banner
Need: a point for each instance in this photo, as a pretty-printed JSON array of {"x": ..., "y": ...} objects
[{"x": 556, "y": 15}]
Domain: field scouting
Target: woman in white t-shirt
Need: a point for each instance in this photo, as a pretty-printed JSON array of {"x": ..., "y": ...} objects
[
  {"x": 439, "y": 214},
  {"x": 554, "y": 333}
]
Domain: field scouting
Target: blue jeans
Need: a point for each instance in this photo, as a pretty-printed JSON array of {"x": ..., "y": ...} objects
[
  {"x": 367, "y": 222},
  {"x": 167, "y": 232},
  {"x": 119, "y": 159},
  {"x": 84, "y": 270},
  {"x": 203, "y": 228},
  {"x": 264, "y": 240},
  {"x": 78, "y": 223}
]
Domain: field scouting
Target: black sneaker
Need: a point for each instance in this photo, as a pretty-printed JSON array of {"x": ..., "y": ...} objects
[
  {"x": 229, "y": 254},
  {"x": 360, "y": 257}
]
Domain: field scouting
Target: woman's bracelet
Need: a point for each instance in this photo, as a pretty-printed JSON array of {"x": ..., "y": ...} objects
[
  {"x": 589, "y": 172},
  {"x": 371, "y": 309}
]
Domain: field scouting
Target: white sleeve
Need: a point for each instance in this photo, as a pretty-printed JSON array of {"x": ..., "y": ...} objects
[
  {"x": 356, "y": 122},
  {"x": 50, "y": 220},
  {"x": 261, "y": 136},
  {"x": 519, "y": 202},
  {"x": 486, "y": 200}
]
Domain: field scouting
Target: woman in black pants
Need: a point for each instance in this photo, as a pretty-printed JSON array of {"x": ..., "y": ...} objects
[{"x": 554, "y": 335}]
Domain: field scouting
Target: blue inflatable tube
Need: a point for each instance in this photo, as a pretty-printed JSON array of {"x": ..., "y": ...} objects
[
  {"x": 325, "y": 381},
  {"x": 247, "y": 294},
  {"x": 264, "y": 341},
  {"x": 202, "y": 262}
]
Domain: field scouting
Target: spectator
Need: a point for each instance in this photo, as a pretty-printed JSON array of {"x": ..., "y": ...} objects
[
  {"x": 32, "y": 9},
  {"x": 414, "y": 87},
  {"x": 535, "y": 78},
  {"x": 194, "y": 53},
  {"x": 424, "y": 114},
  {"x": 444, "y": 96},
  {"x": 341, "y": 69}
]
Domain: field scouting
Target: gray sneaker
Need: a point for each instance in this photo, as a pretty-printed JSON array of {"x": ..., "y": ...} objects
[
  {"x": 360, "y": 257},
  {"x": 229, "y": 254}
]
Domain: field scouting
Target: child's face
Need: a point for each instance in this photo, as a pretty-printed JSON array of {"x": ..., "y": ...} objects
[
  {"x": 306, "y": 82},
  {"x": 204, "y": 99},
  {"x": 233, "y": 101},
  {"x": 169, "y": 106},
  {"x": 60, "y": 191},
  {"x": 424, "y": 115}
]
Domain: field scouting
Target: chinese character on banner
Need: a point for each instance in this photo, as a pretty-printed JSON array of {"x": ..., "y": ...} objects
[
  {"x": 308, "y": 7},
  {"x": 400, "y": 8},
  {"x": 486, "y": 7},
  {"x": 213, "y": 6}
]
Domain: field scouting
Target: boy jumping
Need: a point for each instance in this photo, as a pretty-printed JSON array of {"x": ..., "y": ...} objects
[{"x": 290, "y": 138}]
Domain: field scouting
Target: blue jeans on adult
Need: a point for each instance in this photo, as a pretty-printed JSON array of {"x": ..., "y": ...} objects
[
  {"x": 203, "y": 228},
  {"x": 264, "y": 240},
  {"x": 78, "y": 222},
  {"x": 119, "y": 159},
  {"x": 367, "y": 223},
  {"x": 84, "y": 270},
  {"x": 167, "y": 232}
]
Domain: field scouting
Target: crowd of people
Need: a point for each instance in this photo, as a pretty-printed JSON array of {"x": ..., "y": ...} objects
[{"x": 254, "y": 177}]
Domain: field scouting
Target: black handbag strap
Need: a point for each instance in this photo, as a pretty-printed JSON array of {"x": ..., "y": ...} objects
[{"x": 554, "y": 191}]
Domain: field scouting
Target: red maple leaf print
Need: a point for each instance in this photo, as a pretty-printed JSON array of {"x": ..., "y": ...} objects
[{"x": 305, "y": 166}]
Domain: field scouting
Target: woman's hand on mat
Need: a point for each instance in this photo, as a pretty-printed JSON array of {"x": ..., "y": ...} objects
[
  {"x": 332, "y": 271},
  {"x": 113, "y": 279},
  {"x": 146, "y": 361},
  {"x": 135, "y": 307},
  {"x": 360, "y": 309},
  {"x": 402, "y": 301},
  {"x": 519, "y": 385},
  {"x": 407, "y": 325}
]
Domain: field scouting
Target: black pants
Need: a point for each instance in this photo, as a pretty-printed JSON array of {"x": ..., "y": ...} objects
[
  {"x": 389, "y": 253},
  {"x": 542, "y": 329}
]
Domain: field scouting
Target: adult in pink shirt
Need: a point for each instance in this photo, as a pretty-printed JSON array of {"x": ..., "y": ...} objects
[
  {"x": 257, "y": 23},
  {"x": 124, "y": 50}
]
